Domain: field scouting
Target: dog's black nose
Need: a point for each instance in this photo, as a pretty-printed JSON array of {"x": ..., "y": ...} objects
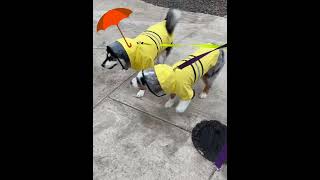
[
  {"x": 130, "y": 82},
  {"x": 103, "y": 65}
]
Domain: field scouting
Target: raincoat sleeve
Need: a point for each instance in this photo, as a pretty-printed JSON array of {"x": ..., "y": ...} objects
[{"x": 184, "y": 91}]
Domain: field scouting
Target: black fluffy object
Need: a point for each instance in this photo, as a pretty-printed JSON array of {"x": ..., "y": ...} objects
[{"x": 208, "y": 138}]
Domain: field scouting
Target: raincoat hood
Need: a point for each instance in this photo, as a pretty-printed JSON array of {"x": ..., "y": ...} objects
[
  {"x": 146, "y": 46},
  {"x": 166, "y": 78},
  {"x": 118, "y": 50}
]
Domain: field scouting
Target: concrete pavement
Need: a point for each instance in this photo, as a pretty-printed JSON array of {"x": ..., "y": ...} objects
[
  {"x": 137, "y": 138},
  {"x": 214, "y": 7}
]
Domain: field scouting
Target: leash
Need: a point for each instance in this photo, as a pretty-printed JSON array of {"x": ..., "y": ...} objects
[{"x": 191, "y": 61}]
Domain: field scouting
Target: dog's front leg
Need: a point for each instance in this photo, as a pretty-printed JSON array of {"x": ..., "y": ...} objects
[
  {"x": 141, "y": 92},
  {"x": 162, "y": 58},
  {"x": 182, "y": 106},
  {"x": 170, "y": 102}
]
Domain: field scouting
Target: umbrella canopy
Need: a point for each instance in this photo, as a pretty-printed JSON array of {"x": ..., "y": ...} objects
[
  {"x": 113, "y": 17},
  {"x": 210, "y": 139}
]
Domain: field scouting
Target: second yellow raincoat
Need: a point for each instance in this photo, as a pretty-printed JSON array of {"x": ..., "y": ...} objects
[{"x": 180, "y": 81}]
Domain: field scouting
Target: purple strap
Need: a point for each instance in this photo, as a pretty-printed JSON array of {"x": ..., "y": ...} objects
[{"x": 222, "y": 157}]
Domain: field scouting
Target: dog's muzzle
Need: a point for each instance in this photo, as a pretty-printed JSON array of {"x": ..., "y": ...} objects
[{"x": 119, "y": 53}]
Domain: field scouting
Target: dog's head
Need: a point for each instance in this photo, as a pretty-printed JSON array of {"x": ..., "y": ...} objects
[
  {"x": 138, "y": 82},
  {"x": 147, "y": 78},
  {"x": 110, "y": 61},
  {"x": 115, "y": 55}
]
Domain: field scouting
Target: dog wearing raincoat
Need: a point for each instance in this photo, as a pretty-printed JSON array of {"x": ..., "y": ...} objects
[
  {"x": 145, "y": 51},
  {"x": 164, "y": 79}
]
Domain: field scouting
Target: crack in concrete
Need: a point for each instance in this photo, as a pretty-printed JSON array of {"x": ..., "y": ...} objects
[{"x": 156, "y": 117}]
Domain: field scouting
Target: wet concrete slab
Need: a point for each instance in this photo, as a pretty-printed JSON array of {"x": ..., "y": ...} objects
[{"x": 128, "y": 144}]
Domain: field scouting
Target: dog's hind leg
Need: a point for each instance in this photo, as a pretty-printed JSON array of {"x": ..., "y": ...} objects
[
  {"x": 206, "y": 88},
  {"x": 211, "y": 75}
]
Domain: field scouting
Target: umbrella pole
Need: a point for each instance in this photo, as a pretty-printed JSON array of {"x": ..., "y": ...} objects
[{"x": 124, "y": 37}]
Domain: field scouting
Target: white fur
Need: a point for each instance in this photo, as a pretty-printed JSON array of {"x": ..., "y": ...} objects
[
  {"x": 134, "y": 83},
  {"x": 182, "y": 106},
  {"x": 170, "y": 103},
  {"x": 203, "y": 95},
  {"x": 177, "y": 14},
  {"x": 140, "y": 93},
  {"x": 109, "y": 64},
  {"x": 139, "y": 75}
]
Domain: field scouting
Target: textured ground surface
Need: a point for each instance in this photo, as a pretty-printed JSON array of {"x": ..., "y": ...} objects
[
  {"x": 214, "y": 7},
  {"x": 137, "y": 138}
]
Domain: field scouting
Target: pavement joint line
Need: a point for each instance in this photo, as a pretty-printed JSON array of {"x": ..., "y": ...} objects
[
  {"x": 156, "y": 117},
  {"x": 98, "y": 103}
]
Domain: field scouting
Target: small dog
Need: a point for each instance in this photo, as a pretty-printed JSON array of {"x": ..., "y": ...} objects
[
  {"x": 145, "y": 50},
  {"x": 179, "y": 82}
]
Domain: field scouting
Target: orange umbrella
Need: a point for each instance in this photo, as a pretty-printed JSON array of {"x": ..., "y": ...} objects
[{"x": 113, "y": 17}]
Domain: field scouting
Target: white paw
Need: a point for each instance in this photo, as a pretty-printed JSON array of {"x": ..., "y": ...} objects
[
  {"x": 169, "y": 103},
  {"x": 182, "y": 106},
  {"x": 140, "y": 93},
  {"x": 203, "y": 95},
  {"x": 180, "y": 109}
]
